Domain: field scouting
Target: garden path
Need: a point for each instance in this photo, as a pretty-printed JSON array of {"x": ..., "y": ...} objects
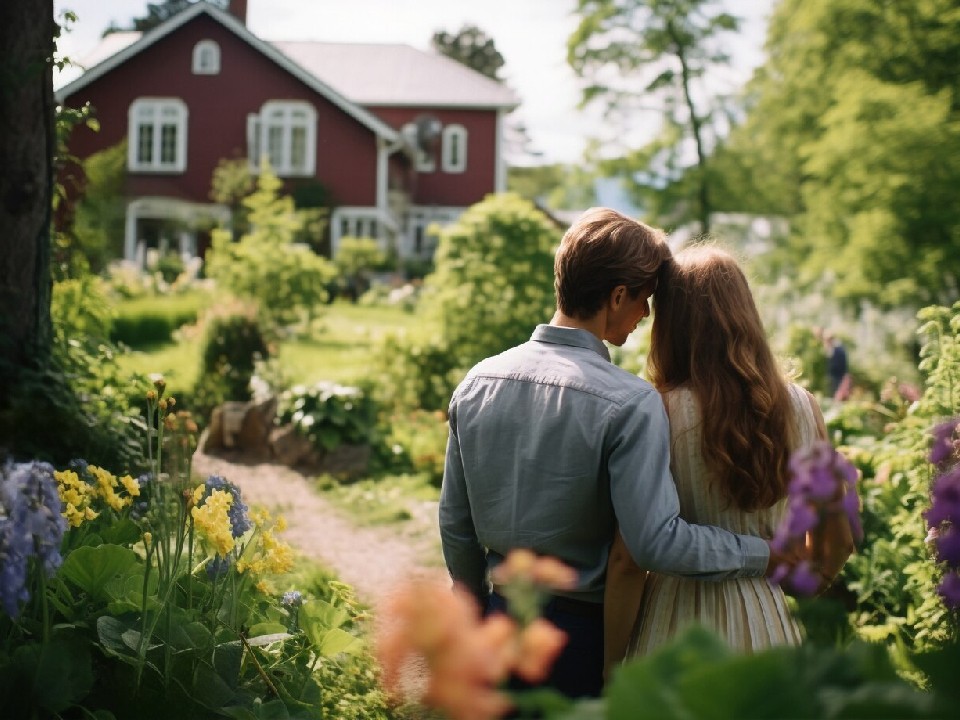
[{"x": 374, "y": 560}]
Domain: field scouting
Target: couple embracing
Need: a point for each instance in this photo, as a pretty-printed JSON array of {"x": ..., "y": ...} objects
[{"x": 662, "y": 496}]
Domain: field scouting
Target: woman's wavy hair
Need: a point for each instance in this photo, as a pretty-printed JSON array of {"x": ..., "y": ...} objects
[{"x": 708, "y": 336}]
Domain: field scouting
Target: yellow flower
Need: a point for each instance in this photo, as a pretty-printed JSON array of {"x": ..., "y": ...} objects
[
  {"x": 130, "y": 485},
  {"x": 281, "y": 524},
  {"x": 213, "y": 522},
  {"x": 76, "y": 495},
  {"x": 147, "y": 539}
]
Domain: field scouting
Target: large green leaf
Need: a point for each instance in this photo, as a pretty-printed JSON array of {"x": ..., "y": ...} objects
[{"x": 92, "y": 568}]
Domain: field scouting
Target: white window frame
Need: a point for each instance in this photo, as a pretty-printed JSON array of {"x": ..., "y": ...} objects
[
  {"x": 453, "y": 153},
  {"x": 284, "y": 117},
  {"x": 159, "y": 114},
  {"x": 206, "y": 58}
]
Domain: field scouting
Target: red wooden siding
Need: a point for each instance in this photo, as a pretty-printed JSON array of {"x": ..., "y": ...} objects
[
  {"x": 455, "y": 189},
  {"x": 218, "y": 106}
]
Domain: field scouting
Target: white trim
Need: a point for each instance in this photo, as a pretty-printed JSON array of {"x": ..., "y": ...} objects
[
  {"x": 157, "y": 107},
  {"x": 212, "y": 50},
  {"x": 238, "y": 28},
  {"x": 164, "y": 208},
  {"x": 452, "y": 137},
  {"x": 293, "y": 115}
]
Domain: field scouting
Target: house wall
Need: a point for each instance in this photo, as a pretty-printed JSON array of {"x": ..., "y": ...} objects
[
  {"x": 218, "y": 106},
  {"x": 454, "y": 189}
]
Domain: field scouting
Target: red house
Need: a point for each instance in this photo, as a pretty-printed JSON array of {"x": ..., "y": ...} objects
[{"x": 393, "y": 137}]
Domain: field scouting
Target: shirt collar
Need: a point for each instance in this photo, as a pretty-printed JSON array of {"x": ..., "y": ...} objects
[{"x": 573, "y": 337}]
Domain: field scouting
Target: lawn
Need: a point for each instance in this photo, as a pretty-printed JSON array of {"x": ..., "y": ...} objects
[{"x": 339, "y": 347}]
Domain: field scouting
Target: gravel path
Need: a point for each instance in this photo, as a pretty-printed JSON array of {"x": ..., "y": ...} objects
[{"x": 373, "y": 560}]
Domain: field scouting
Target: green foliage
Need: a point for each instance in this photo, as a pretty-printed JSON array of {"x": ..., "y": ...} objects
[
  {"x": 287, "y": 280},
  {"x": 569, "y": 187},
  {"x": 75, "y": 403},
  {"x": 150, "y": 616},
  {"x": 233, "y": 343},
  {"x": 634, "y": 52},
  {"x": 493, "y": 281},
  {"x": 146, "y": 321},
  {"x": 471, "y": 47},
  {"x": 414, "y": 373},
  {"x": 98, "y": 223},
  {"x": 329, "y": 415},
  {"x": 417, "y": 441},
  {"x": 356, "y": 258},
  {"x": 894, "y": 574},
  {"x": 865, "y": 82}
]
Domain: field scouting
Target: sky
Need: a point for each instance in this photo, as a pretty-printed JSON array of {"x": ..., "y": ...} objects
[{"x": 531, "y": 36}]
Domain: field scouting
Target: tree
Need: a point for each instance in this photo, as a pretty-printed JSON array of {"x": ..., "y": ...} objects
[
  {"x": 27, "y": 147},
  {"x": 853, "y": 132},
  {"x": 158, "y": 13},
  {"x": 471, "y": 47},
  {"x": 634, "y": 52}
]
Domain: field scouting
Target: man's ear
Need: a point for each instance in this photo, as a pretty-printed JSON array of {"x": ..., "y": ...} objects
[{"x": 617, "y": 296}]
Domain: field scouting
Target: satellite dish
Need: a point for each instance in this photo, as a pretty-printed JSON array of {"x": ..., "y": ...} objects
[{"x": 428, "y": 129}]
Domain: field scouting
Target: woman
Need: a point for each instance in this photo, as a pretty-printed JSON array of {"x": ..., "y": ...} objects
[{"x": 734, "y": 420}]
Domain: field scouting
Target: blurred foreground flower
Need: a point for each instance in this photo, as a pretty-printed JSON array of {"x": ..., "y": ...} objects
[
  {"x": 31, "y": 527},
  {"x": 466, "y": 656},
  {"x": 822, "y": 481},
  {"x": 943, "y": 517}
]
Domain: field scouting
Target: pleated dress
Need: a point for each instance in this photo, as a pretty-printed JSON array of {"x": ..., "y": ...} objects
[{"x": 750, "y": 614}]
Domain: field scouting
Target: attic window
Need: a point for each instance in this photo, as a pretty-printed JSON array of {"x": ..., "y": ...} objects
[
  {"x": 285, "y": 133},
  {"x": 454, "y": 149},
  {"x": 157, "y": 135},
  {"x": 206, "y": 58}
]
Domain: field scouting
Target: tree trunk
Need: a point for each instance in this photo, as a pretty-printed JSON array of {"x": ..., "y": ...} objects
[{"x": 27, "y": 145}]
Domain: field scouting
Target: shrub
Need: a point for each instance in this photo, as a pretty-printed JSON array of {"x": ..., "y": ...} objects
[
  {"x": 76, "y": 402},
  {"x": 152, "y": 320},
  {"x": 417, "y": 440},
  {"x": 329, "y": 415},
  {"x": 232, "y": 345},
  {"x": 414, "y": 373}
]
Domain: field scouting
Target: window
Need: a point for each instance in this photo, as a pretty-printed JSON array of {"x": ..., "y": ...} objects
[
  {"x": 206, "y": 58},
  {"x": 286, "y": 133},
  {"x": 454, "y": 149},
  {"x": 158, "y": 135}
]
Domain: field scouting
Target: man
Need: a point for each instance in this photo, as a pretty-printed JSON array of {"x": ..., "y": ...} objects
[
  {"x": 838, "y": 369},
  {"x": 552, "y": 446}
]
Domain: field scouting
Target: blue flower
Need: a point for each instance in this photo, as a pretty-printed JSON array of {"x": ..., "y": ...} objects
[
  {"x": 944, "y": 443},
  {"x": 949, "y": 589},
  {"x": 292, "y": 598},
  {"x": 218, "y": 566},
  {"x": 239, "y": 519},
  {"x": 31, "y": 526}
]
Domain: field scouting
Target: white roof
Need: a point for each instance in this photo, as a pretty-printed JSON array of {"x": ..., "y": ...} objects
[{"x": 397, "y": 74}]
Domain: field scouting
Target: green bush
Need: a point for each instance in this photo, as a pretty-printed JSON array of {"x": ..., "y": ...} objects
[
  {"x": 152, "y": 320},
  {"x": 77, "y": 402},
  {"x": 417, "y": 440},
  {"x": 232, "y": 345},
  {"x": 329, "y": 415},
  {"x": 413, "y": 373}
]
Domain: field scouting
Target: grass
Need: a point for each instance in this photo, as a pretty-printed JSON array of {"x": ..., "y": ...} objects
[{"x": 339, "y": 349}]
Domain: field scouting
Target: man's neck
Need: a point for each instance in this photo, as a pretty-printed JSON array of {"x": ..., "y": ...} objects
[{"x": 594, "y": 325}]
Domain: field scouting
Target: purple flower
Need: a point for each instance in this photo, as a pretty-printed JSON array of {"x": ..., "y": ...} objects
[
  {"x": 801, "y": 518},
  {"x": 803, "y": 579},
  {"x": 944, "y": 444},
  {"x": 949, "y": 590},
  {"x": 30, "y": 526},
  {"x": 292, "y": 598},
  {"x": 948, "y": 546},
  {"x": 945, "y": 505}
]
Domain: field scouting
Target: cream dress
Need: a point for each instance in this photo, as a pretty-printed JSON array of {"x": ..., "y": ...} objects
[{"x": 750, "y": 614}]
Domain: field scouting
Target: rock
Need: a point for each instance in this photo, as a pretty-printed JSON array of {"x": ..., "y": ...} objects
[
  {"x": 232, "y": 413},
  {"x": 211, "y": 439},
  {"x": 253, "y": 436},
  {"x": 288, "y": 446},
  {"x": 346, "y": 461}
]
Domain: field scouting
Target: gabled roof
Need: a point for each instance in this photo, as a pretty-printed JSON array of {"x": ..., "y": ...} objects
[
  {"x": 396, "y": 74},
  {"x": 231, "y": 23}
]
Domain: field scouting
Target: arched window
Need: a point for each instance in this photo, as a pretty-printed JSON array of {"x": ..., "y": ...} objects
[
  {"x": 157, "y": 140},
  {"x": 286, "y": 132},
  {"x": 453, "y": 154},
  {"x": 206, "y": 58}
]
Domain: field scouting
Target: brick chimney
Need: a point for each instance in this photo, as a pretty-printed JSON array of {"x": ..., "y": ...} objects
[{"x": 238, "y": 8}]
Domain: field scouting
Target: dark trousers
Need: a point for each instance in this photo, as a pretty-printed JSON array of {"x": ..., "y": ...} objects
[{"x": 578, "y": 670}]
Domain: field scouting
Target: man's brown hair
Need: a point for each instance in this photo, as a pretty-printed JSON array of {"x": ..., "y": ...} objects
[{"x": 601, "y": 250}]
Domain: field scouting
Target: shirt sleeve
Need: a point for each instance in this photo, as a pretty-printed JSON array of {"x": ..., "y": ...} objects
[
  {"x": 463, "y": 554},
  {"x": 647, "y": 507}
]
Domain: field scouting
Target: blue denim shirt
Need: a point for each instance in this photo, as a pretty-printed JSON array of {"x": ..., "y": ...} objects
[{"x": 550, "y": 446}]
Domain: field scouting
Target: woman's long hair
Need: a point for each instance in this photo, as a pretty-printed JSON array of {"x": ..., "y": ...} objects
[{"x": 708, "y": 336}]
